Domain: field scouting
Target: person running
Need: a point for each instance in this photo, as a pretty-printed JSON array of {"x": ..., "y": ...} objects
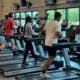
[
  {"x": 52, "y": 33},
  {"x": 9, "y": 24},
  {"x": 28, "y": 33}
]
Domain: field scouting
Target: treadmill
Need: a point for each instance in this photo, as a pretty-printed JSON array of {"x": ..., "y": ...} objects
[
  {"x": 55, "y": 75},
  {"x": 68, "y": 73},
  {"x": 6, "y": 52},
  {"x": 31, "y": 67}
]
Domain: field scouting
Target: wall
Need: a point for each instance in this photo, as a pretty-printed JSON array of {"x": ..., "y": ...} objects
[
  {"x": 40, "y": 6},
  {"x": 7, "y": 6},
  {"x": 1, "y": 6}
]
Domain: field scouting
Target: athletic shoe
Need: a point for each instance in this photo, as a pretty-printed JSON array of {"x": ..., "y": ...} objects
[
  {"x": 25, "y": 64},
  {"x": 42, "y": 66},
  {"x": 44, "y": 75}
]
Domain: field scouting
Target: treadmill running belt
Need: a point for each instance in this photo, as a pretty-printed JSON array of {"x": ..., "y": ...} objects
[{"x": 62, "y": 75}]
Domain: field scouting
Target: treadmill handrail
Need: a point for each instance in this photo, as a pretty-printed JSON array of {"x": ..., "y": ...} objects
[{"x": 64, "y": 44}]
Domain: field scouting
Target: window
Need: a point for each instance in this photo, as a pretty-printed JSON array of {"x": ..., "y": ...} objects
[
  {"x": 17, "y": 15},
  {"x": 20, "y": 17},
  {"x": 34, "y": 16},
  {"x": 17, "y": 18},
  {"x": 50, "y": 14},
  {"x": 73, "y": 16},
  {"x": 23, "y": 15},
  {"x": 28, "y": 13},
  {"x": 17, "y": 22}
]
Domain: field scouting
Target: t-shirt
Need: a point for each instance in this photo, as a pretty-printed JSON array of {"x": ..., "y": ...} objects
[
  {"x": 51, "y": 28},
  {"x": 28, "y": 32},
  {"x": 9, "y": 26}
]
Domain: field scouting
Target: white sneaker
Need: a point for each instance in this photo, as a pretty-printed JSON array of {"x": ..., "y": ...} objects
[
  {"x": 42, "y": 66},
  {"x": 44, "y": 75}
]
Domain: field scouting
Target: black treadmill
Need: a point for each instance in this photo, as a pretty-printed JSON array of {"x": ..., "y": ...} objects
[
  {"x": 4, "y": 60},
  {"x": 55, "y": 75},
  {"x": 17, "y": 69},
  {"x": 68, "y": 73},
  {"x": 6, "y": 52}
]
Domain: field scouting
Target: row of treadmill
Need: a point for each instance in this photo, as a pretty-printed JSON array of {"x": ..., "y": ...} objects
[{"x": 68, "y": 53}]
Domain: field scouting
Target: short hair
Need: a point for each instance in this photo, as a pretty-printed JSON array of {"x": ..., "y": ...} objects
[
  {"x": 6, "y": 16},
  {"x": 28, "y": 19},
  {"x": 57, "y": 14},
  {"x": 10, "y": 15}
]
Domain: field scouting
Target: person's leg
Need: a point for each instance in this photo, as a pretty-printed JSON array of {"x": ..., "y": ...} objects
[
  {"x": 52, "y": 54},
  {"x": 25, "y": 53},
  {"x": 12, "y": 42},
  {"x": 13, "y": 45},
  {"x": 3, "y": 45},
  {"x": 32, "y": 52},
  {"x": 47, "y": 64}
]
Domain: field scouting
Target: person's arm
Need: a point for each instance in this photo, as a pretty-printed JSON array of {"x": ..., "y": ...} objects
[
  {"x": 58, "y": 34},
  {"x": 58, "y": 30},
  {"x": 43, "y": 29},
  {"x": 32, "y": 31},
  {"x": 2, "y": 28}
]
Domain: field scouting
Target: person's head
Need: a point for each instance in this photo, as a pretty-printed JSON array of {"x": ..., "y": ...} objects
[
  {"x": 65, "y": 22},
  {"x": 28, "y": 19},
  {"x": 57, "y": 16},
  {"x": 6, "y": 16},
  {"x": 10, "y": 15}
]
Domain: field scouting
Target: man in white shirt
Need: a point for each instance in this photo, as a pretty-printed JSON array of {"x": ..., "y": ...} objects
[{"x": 52, "y": 33}]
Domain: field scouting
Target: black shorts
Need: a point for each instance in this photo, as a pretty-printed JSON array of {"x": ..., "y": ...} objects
[
  {"x": 8, "y": 38},
  {"x": 51, "y": 51}
]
